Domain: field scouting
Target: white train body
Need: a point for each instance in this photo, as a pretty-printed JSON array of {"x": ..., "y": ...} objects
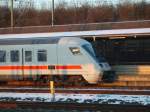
[{"x": 28, "y": 57}]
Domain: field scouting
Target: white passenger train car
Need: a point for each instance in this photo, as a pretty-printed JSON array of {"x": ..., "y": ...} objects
[{"x": 23, "y": 56}]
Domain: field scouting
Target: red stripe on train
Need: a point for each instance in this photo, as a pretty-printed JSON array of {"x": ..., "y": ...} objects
[
  {"x": 22, "y": 67},
  {"x": 38, "y": 67},
  {"x": 68, "y": 67}
]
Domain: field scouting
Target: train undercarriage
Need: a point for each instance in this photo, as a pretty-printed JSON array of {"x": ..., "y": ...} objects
[
  {"x": 44, "y": 80},
  {"x": 59, "y": 80}
]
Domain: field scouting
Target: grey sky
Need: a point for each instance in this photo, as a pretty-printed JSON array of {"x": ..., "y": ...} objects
[{"x": 47, "y": 3}]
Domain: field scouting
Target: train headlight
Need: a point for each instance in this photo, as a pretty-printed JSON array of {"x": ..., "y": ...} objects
[{"x": 75, "y": 50}]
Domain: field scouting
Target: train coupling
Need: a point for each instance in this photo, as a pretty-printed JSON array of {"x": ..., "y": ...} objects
[{"x": 109, "y": 76}]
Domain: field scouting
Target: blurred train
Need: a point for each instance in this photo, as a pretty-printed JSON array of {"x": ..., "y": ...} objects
[{"x": 34, "y": 57}]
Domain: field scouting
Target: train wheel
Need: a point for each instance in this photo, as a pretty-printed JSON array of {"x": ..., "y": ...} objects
[{"x": 76, "y": 81}]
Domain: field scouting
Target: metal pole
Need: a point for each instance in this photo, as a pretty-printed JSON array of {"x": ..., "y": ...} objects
[
  {"x": 52, "y": 12},
  {"x": 52, "y": 90},
  {"x": 94, "y": 38},
  {"x": 12, "y": 13}
]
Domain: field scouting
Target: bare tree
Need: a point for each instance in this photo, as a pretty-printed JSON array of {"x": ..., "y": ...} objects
[{"x": 26, "y": 12}]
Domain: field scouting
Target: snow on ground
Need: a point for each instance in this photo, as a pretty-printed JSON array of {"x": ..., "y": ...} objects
[{"x": 77, "y": 98}]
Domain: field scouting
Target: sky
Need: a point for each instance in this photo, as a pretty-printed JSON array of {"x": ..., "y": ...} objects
[{"x": 46, "y": 4}]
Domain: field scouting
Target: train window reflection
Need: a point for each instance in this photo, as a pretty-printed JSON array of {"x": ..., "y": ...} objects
[
  {"x": 42, "y": 55},
  {"x": 89, "y": 49},
  {"x": 14, "y": 56},
  {"x": 2, "y": 56},
  {"x": 28, "y": 56}
]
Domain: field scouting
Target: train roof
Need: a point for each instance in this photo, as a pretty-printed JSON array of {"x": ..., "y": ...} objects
[
  {"x": 23, "y": 41},
  {"x": 42, "y": 40},
  {"x": 95, "y": 33},
  {"x": 54, "y": 38}
]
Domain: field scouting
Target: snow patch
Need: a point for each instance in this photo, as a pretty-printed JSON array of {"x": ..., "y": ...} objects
[{"x": 77, "y": 98}]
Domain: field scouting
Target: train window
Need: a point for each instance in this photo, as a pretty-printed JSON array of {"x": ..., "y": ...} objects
[
  {"x": 2, "y": 56},
  {"x": 89, "y": 49},
  {"x": 42, "y": 55},
  {"x": 14, "y": 56},
  {"x": 75, "y": 50},
  {"x": 28, "y": 56}
]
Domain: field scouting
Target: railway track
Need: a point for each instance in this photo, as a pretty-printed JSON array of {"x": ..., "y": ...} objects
[
  {"x": 116, "y": 84},
  {"x": 102, "y": 88},
  {"x": 77, "y": 90},
  {"x": 47, "y": 107}
]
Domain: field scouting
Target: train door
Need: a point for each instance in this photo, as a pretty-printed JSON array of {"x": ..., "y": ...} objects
[{"x": 27, "y": 63}]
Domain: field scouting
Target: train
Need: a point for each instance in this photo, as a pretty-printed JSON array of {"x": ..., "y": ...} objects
[{"x": 36, "y": 57}]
